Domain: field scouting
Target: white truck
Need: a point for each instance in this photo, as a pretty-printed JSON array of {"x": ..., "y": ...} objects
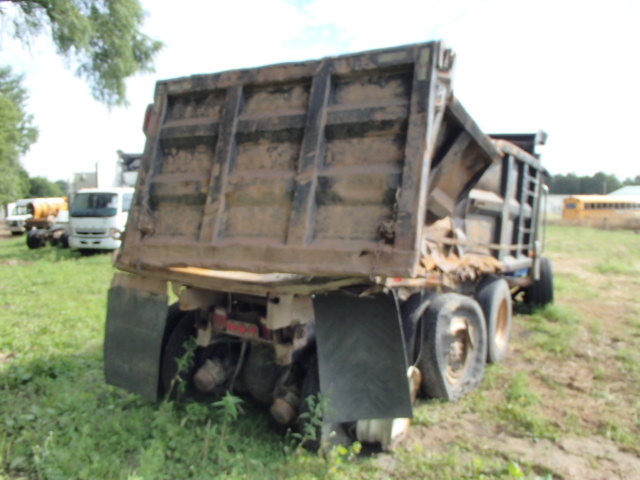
[
  {"x": 98, "y": 217},
  {"x": 17, "y": 215}
]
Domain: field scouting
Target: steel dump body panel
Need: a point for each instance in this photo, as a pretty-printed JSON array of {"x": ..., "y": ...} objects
[{"x": 328, "y": 167}]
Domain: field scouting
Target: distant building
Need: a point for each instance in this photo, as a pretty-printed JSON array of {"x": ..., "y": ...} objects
[{"x": 631, "y": 190}]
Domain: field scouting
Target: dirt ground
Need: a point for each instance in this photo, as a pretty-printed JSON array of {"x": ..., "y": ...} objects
[{"x": 587, "y": 396}]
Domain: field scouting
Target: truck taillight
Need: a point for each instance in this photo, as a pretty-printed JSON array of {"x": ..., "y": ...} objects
[
  {"x": 147, "y": 118},
  {"x": 243, "y": 329}
]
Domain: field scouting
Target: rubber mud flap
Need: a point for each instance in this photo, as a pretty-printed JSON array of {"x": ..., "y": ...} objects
[
  {"x": 136, "y": 314},
  {"x": 361, "y": 357}
]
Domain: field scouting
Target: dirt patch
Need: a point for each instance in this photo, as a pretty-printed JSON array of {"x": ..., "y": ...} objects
[{"x": 567, "y": 458}]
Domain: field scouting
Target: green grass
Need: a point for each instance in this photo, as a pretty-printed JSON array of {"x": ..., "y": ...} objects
[
  {"x": 58, "y": 418},
  {"x": 520, "y": 410},
  {"x": 608, "y": 252},
  {"x": 554, "y": 329},
  {"x": 590, "y": 243}
]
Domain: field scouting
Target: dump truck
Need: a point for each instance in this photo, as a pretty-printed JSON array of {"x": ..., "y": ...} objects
[
  {"x": 48, "y": 222},
  {"x": 338, "y": 229}
]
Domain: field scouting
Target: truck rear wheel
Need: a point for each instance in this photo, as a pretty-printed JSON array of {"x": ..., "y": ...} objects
[
  {"x": 34, "y": 240},
  {"x": 182, "y": 360},
  {"x": 494, "y": 297},
  {"x": 176, "y": 369},
  {"x": 453, "y": 347},
  {"x": 540, "y": 292},
  {"x": 174, "y": 350},
  {"x": 412, "y": 311}
]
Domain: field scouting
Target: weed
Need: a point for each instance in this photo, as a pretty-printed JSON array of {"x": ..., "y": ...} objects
[
  {"x": 184, "y": 363},
  {"x": 573, "y": 285},
  {"x": 630, "y": 360},
  {"x": 613, "y": 429},
  {"x": 617, "y": 266},
  {"x": 455, "y": 463},
  {"x": 554, "y": 329},
  {"x": 426, "y": 414},
  {"x": 229, "y": 408},
  {"x": 596, "y": 328},
  {"x": 520, "y": 412},
  {"x": 309, "y": 423},
  {"x": 494, "y": 375},
  {"x": 574, "y": 423},
  {"x": 599, "y": 373}
]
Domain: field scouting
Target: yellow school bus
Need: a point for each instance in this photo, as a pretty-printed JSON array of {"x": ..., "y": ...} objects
[{"x": 597, "y": 209}]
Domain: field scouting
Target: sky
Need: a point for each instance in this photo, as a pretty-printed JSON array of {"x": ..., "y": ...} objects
[{"x": 569, "y": 68}]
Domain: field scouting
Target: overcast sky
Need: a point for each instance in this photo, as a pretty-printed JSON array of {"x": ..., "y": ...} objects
[{"x": 569, "y": 68}]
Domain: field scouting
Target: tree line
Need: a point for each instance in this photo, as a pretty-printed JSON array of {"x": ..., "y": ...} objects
[{"x": 600, "y": 183}]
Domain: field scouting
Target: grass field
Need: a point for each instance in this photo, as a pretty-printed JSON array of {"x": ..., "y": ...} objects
[{"x": 564, "y": 404}]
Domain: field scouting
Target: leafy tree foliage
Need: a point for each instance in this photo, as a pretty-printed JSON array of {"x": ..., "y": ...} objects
[
  {"x": 41, "y": 187},
  {"x": 63, "y": 186},
  {"x": 632, "y": 181},
  {"x": 16, "y": 136},
  {"x": 600, "y": 183},
  {"x": 101, "y": 38}
]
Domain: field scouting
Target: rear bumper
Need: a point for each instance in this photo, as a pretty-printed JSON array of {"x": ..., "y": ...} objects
[{"x": 93, "y": 243}]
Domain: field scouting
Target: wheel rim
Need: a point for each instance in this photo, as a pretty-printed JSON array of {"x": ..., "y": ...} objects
[
  {"x": 502, "y": 326},
  {"x": 460, "y": 349}
]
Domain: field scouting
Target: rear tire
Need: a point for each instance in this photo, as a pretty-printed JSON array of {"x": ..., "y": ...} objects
[
  {"x": 494, "y": 297},
  {"x": 454, "y": 346},
  {"x": 64, "y": 241},
  {"x": 411, "y": 312},
  {"x": 174, "y": 350},
  {"x": 34, "y": 240},
  {"x": 540, "y": 292}
]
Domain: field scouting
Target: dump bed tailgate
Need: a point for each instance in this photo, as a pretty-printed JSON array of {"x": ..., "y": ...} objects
[{"x": 316, "y": 168}]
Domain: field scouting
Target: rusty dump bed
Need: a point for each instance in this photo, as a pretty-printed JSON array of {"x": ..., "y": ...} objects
[{"x": 335, "y": 167}]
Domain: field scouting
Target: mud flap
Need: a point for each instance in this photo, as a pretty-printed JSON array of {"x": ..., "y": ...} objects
[
  {"x": 136, "y": 315},
  {"x": 361, "y": 358}
]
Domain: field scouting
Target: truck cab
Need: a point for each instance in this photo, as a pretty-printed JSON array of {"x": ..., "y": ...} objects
[
  {"x": 17, "y": 215},
  {"x": 98, "y": 217}
]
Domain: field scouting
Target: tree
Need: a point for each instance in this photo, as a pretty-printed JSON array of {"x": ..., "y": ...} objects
[
  {"x": 63, "y": 185},
  {"x": 571, "y": 184},
  {"x": 632, "y": 181},
  {"x": 41, "y": 187},
  {"x": 565, "y": 184},
  {"x": 600, "y": 183},
  {"x": 17, "y": 133},
  {"x": 100, "y": 38}
]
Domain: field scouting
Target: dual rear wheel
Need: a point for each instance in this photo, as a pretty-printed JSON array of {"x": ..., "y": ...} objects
[{"x": 458, "y": 334}]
